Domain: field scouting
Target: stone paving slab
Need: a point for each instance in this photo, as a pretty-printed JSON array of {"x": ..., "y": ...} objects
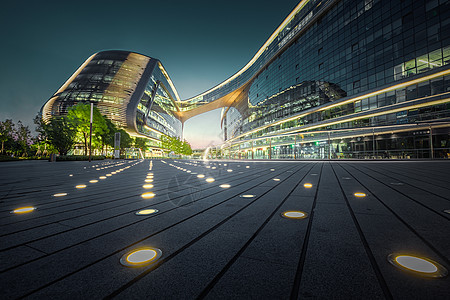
[{"x": 217, "y": 244}]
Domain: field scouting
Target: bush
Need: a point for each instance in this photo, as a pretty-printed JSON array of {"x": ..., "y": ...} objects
[
  {"x": 78, "y": 157},
  {"x": 8, "y": 158}
]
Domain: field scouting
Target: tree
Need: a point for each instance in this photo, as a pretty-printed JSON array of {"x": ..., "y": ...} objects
[
  {"x": 61, "y": 134},
  {"x": 140, "y": 143},
  {"x": 186, "y": 149},
  {"x": 176, "y": 145},
  {"x": 107, "y": 137},
  {"x": 6, "y": 131},
  {"x": 80, "y": 115},
  {"x": 23, "y": 137},
  {"x": 125, "y": 140}
]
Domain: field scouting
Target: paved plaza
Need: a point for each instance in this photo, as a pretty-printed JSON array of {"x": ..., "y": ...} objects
[{"x": 225, "y": 229}]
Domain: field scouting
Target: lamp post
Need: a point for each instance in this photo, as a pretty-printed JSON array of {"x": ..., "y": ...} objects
[{"x": 90, "y": 131}]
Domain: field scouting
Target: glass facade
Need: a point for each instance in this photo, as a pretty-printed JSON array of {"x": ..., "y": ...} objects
[
  {"x": 344, "y": 79},
  {"x": 337, "y": 79}
]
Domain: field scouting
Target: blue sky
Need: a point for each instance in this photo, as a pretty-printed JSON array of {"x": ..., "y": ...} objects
[{"x": 200, "y": 43}]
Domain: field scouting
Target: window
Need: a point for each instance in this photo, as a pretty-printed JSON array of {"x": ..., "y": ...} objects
[{"x": 356, "y": 84}]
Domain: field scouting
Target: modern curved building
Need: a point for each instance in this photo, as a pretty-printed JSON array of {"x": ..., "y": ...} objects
[
  {"x": 134, "y": 91},
  {"x": 337, "y": 79}
]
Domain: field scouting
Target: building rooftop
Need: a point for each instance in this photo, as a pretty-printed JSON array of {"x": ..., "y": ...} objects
[{"x": 226, "y": 237}]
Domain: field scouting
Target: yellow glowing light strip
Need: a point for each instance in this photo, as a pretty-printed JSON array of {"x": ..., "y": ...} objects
[
  {"x": 379, "y": 113},
  {"x": 298, "y": 130},
  {"x": 71, "y": 78},
  {"x": 388, "y": 89},
  {"x": 260, "y": 51},
  {"x": 168, "y": 80}
]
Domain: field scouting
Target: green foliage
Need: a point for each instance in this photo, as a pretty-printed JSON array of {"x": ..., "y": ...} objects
[
  {"x": 6, "y": 132},
  {"x": 140, "y": 143},
  {"x": 176, "y": 145},
  {"x": 79, "y": 117},
  {"x": 60, "y": 133},
  {"x": 125, "y": 140},
  {"x": 78, "y": 157},
  {"x": 15, "y": 139}
]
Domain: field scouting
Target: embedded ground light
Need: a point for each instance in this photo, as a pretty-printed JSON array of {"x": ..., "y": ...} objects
[
  {"x": 147, "y": 211},
  {"x": 80, "y": 186},
  {"x": 418, "y": 265},
  {"x": 308, "y": 185},
  {"x": 59, "y": 194},
  {"x": 247, "y": 196},
  {"x": 148, "y": 195},
  {"x": 294, "y": 214},
  {"x": 209, "y": 179},
  {"x": 141, "y": 257},
  {"x": 359, "y": 195},
  {"x": 225, "y": 186},
  {"x": 23, "y": 210}
]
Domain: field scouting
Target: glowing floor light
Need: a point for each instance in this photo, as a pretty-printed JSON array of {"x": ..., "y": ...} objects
[
  {"x": 209, "y": 179},
  {"x": 308, "y": 185},
  {"x": 148, "y": 180},
  {"x": 147, "y": 186},
  {"x": 102, "y": 177},
  {"x": 248, "y": 167},
  {"x": 59, "y": 194},
  {"x": 272, "y": 170},
  {"x": 201, "y": 176},
  {"x": 108, "y": 175},
  {"x": 359, "y": 195},
  {"x": 418, "y": 265},
  {"x": 229, "y": 170},
  {"x": 93, "y": 181},
  {"x": 247, "y": 196},
  {"x": 80, "y": 186},
  {"x": 294, "y": 214},
  {"x": 276, "y": 179},
  {"x": 141, "y": 257},
  {"x": 23, "y": 210},
  {"x": 148, "y": 195},
  {"x": 148, "y": 211},
  {"x": 225, "y": 186}
]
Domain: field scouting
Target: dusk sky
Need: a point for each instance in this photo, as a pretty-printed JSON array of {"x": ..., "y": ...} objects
[{"x": 200, "y": 43}]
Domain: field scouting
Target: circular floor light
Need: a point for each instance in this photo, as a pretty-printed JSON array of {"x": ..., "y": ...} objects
[
  {"x": 225, "y": 186},
  {"x": 201, "y": 176},
  {"x": 23, "y": 210},
  {"x": 70, "y": 175},
  {"x": 148, "y": 195},
  {"x": 148, "y": 180},
  {"x": 108, "y": 175},
  {"x": 59, "y": 194},
  {"x": 93, "y": 181},
  {"x": 418, "y": 265},
  {"x": 80, "y": 186},
  {"x": 248, "y": 196},
  {"x": 247, "y": 167},
  {"x": 209, "y": 179},
  {"x": 359, "y": 195},
  {"x": 147, "y": 211},
  {"x": 141, "y": 257},
  {"x": 308, "y": 185},
  {"x": 147, "y": 186},
  {"x": 102, "y": 177},
  {"x": 276, "y": 179},
  {"x": 314, "y": 174},
  {"x": 294, "y": 214},
  {"x": 272, "y": 170}
]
